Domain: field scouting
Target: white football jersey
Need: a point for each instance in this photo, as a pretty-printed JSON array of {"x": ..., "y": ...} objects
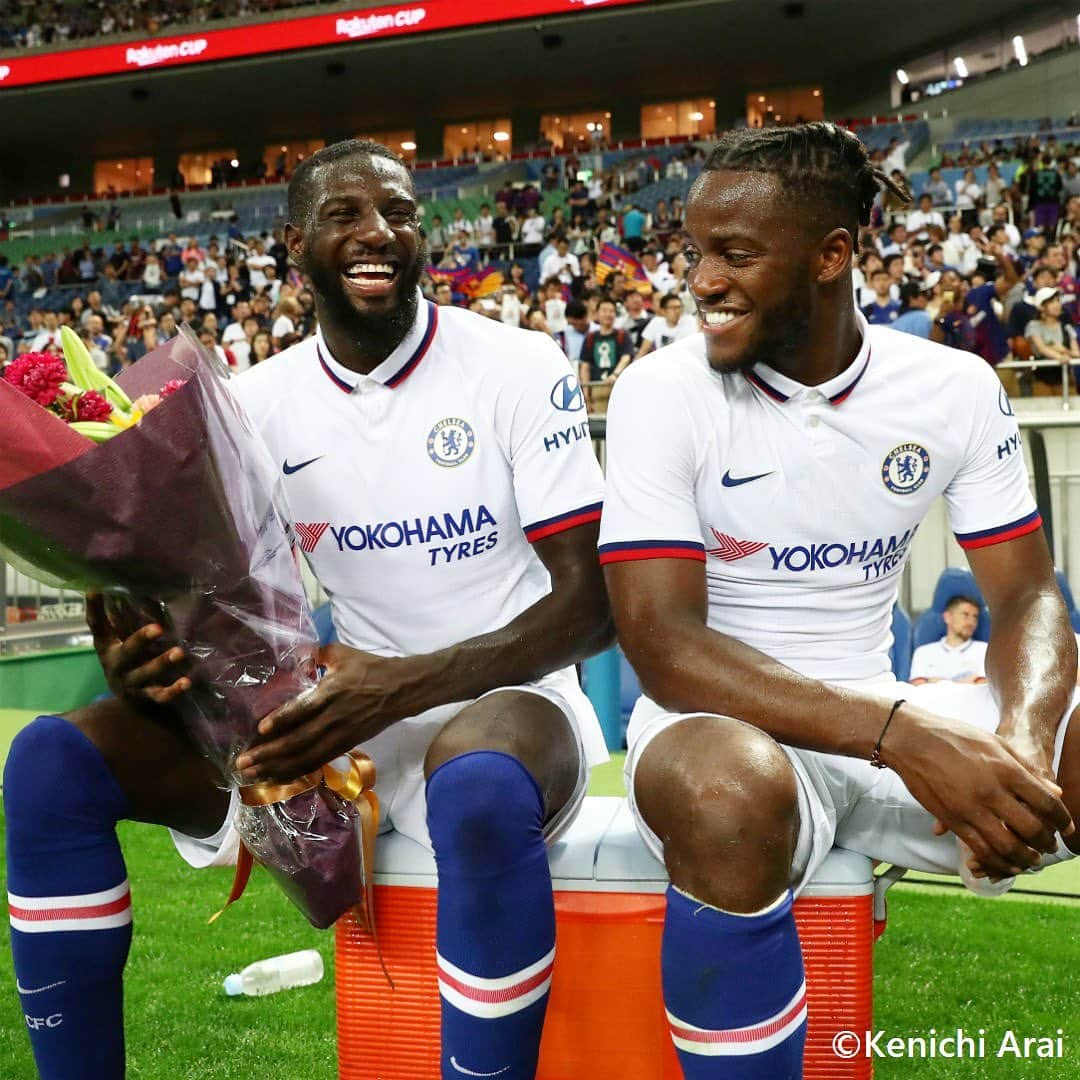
[
  {"x": 802, "y": 501},
  {"x": 415, "y": 492}
]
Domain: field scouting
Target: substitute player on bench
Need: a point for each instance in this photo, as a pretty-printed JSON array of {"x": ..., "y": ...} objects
[
  {"x": 765, "y": 479},
  {"x": 436, "y": 491}
]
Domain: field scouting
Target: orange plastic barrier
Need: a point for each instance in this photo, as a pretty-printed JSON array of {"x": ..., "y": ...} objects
[{"x": 605, "y": 1019}]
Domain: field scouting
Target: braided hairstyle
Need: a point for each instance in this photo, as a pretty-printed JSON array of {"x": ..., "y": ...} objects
[
  {"x": 302, "y": 183},
  {"x": 820, "y": 162}
]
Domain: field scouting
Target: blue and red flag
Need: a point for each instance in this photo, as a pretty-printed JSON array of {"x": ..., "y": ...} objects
[{"x": 613, "y": 259}]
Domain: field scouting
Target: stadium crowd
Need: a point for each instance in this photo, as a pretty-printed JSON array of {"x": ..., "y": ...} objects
[
  {"x": 988, "y": 267},
  {"x": 30, "y": 23}
]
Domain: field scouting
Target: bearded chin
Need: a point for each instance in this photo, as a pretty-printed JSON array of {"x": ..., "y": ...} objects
[{"x": 374, "y": 332}]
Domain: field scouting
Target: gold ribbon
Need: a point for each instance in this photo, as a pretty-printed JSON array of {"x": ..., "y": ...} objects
[{"x": 355, "y": 783}]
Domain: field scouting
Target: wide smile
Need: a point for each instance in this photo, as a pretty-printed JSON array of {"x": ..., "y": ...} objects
[
  {"x": 370, "y": 278},
  {"x": 721, "y": 320}
]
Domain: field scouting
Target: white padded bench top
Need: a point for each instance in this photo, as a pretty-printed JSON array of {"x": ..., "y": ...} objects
[{"x": 603, "y": 852}]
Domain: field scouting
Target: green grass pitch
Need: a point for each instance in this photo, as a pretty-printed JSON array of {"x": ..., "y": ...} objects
[{"x": 947, "y": 960}]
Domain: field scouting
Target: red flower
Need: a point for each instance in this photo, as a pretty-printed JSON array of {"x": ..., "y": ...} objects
[
  {"x": 172, "y": 386},
  {"x": 91, "y": 406},
  {"x": 38, "y": 376}
]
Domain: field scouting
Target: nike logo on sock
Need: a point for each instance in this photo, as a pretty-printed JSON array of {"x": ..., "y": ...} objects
[
  {"x": 288, "y": 469},
  {"x": 468, "y": 1072},
  {"x": 734, "y": 481},
  {"x": 23, "y": 990}
]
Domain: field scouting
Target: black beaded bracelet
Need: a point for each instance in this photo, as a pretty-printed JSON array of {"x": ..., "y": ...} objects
[{"x": 875, "y": 756}]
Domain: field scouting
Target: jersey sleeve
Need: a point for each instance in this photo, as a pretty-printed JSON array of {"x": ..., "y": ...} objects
[
  {"x": 650, "y": 509},
  {"x": 541, "y": 413},
  {"x": 989, "y": 499}
]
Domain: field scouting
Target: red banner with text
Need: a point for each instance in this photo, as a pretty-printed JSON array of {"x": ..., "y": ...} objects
[{"x": 285, "y": 35}]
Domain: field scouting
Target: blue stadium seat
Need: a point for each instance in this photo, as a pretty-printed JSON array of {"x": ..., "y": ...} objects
[
  {"x": 900, "y": 653},
  {"x": 930, "y": 626},
  {"x": 1070, "y": 603},
  {"x": 324, "y": 625}
]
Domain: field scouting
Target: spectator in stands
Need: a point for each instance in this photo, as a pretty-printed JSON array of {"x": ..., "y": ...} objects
[
  {"x": 938, "y": 190},
  {"x": 957, "y": 657},
  {"x": 444, "y": 294},
  {"x": 634, "y": 318},
  {"x": 167, "y": 327},
  {"x": 578, "y": 324},
  {"x": 633, "y": 228},
  {"x": 913, "y": 317},
  {"x": 257, "y": 262},
  {"x": 262, "y": 348},
  {"x": 968, "y": 196},
  {"x": 1051, "y": 339},
  {"x": 1044, "y": 190},
  {"x": 657, "y": 271},
  {"x": 605, "y": 354},
  {"x": 484, "y": 235},
  {"x": 463, "y": 253},
  {"x": 883, "y": 310},
  {"x": 95, "y": 330},
  {"x": 994, "y": 188},
  {"x": 286, "y": 318},
  {"x": 48, "y": 340},
  {"x": 988, "y": 307},
  {"x": 533, "y": 231},
  {"x": 504, "y": 228},
  {"x": 669, "y": 326},
  {"x": 561, "y": 265},
  {"x": 151, "y": 274},
  {"x": 134, "y": 349},
  {"x": 191, "y": 278},
  {"x": 7, "y": 279}
]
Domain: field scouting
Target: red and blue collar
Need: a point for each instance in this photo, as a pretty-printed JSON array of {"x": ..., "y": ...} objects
[
  {"x": 398, "y": 366},
  {"x": 836, "y": 391}
]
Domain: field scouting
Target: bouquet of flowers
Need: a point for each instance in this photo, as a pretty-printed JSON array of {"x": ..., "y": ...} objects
[{"x": 156, "y": 491}]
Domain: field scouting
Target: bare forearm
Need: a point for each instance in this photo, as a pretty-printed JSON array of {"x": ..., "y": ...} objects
[
  {"x": 1031, "y": 664},
  {"x": 700, "y": 670},
  {"x": 557, "y": 631}
]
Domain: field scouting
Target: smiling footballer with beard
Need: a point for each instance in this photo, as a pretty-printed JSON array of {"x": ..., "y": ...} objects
[{"x": 435, "y": 474}]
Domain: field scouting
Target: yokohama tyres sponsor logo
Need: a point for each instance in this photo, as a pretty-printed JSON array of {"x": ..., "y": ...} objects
[
  {"x": 5, "y": 71},
  {"x": 149, "y": 55}
]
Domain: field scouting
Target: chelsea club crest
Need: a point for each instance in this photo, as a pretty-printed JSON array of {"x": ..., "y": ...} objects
[
  {"x": 451, "y": 442},
  {"x": 905, "y": 468}
]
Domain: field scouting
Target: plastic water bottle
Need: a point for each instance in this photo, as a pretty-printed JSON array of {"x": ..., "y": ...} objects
[
  {"x": 979, "y": 886},
  {"x": 277, "y": 973}
]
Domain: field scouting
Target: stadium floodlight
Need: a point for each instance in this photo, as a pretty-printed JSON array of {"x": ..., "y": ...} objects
[
  {"x": 501, "y": 136},
  {"x": 961, "y": 67},
  {"x": 408, "y": 145},
  {"x": 696, "y": 116},
  {"x": 902, "y": 77},
  {"x": 590, "y": 126},
  {"x": 1020, "y": 49},
  {"x": 234, "y": 163}
]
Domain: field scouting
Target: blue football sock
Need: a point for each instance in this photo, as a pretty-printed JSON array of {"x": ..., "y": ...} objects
[
  {"x": 68, "y": 900},
  {"x": 496, "y": 918},
  {"x": 735, "y": 990}
]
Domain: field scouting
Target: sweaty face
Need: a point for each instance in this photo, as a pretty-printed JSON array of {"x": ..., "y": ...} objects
[
  {"x": 361, "y": 246},
  {"x": 749, "y": 270}
]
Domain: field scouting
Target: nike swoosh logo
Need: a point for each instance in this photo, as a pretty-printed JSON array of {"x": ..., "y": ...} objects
[
  {"x": 41, "y": 989},
  {"x": 735, "y": 481},
  {"x": 468, "y": 1072},
  {"x": 288, "y": 469}
]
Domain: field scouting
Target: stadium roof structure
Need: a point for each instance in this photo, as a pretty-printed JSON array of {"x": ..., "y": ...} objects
[{"x": 597, "y": 54}]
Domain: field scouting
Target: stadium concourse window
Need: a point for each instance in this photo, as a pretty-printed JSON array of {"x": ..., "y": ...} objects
[
  {"x": 480, "y": 140},
  {"x": 581, "y": 131},
  {"x": 279, "y": 159},
  {"x": 765, "y": 107},
  {"x": 206, "y": 166},
  {"x": 694, "y": 117},
  {"x": 123, "y": 174},
  {"x": 402, "y": 142}
]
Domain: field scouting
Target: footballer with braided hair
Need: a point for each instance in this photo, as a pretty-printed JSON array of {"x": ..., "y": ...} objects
[{"x": 752, "y": 545}]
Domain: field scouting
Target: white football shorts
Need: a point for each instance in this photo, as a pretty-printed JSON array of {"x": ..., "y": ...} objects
[
  {"x": 846, "y": 802},
  {"x": 398, "y": 753}
]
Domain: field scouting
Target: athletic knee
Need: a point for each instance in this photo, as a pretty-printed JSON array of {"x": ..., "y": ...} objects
[
  {"x": 720, "y": 793},
  {"x": 483, "y": 803},
  {"x": 55, "y": 775}
]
